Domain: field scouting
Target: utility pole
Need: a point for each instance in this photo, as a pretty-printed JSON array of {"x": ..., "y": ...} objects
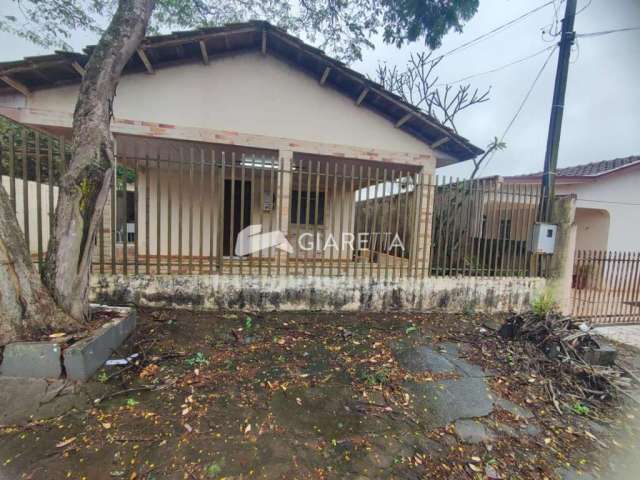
[{"x": 557, "y": 107}]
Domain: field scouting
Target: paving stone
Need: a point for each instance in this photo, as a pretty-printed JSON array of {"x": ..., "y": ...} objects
[
  {"x": 425, "y": 359},
  {"x": 32, "y": 360},
  {"x": 514, "y": 409},
  {"x": 472, "y": 431},
  {"x": 532, "y": 430},
  {"x": 443, "y": 402}
]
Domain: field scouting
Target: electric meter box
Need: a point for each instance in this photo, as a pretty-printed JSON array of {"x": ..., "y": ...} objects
[{"x": 543, "y": 238}]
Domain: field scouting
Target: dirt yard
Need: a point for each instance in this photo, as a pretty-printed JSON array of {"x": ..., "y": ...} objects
[{"x": 241, "y": 396}]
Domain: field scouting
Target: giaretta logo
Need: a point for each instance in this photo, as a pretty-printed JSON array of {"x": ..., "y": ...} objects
[{"x": 252, "y": 240}]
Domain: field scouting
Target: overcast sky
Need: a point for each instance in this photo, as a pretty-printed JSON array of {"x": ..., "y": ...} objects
[{"x": 602, "y": 111}]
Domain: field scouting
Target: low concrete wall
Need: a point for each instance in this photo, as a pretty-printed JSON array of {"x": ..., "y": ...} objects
[{"x": 316, "y": 293}]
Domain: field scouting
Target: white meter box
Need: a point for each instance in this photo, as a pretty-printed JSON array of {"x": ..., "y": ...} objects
[{"x": 543, "y": 238}]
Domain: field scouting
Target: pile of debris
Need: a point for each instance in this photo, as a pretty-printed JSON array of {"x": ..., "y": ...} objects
[{"x": 579, "y": 365}]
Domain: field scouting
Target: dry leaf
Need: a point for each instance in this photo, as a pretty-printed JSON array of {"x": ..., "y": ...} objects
[{"x": 66, "y": 442}]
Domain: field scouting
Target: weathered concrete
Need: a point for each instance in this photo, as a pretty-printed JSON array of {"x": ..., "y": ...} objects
[
  {"x": 563, "y": 214},
  {"x": 32, "y": 359},
  {"x": 78, "y": 361},
  {"x": 83, "y": 358},
  {"x": 472, "y": 431},
  {"x": 316, "y": 293},
  {"x": 27, "y": 399}
]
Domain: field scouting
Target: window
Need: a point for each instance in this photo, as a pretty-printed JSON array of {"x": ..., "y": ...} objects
[{"x": 307, "y": 199}]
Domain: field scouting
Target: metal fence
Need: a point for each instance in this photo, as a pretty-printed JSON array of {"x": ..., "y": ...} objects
[
  {"x": 606, "y": 287},
  {"x": 184, "y": 210}
]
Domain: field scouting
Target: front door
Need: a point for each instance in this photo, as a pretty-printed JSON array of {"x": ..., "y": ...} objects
[{"x": 237, "y": 213}]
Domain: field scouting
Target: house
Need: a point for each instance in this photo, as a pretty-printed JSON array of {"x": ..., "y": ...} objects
[
  {"x": 608, "y": 202},
  {"x": 221, "y": 128}
]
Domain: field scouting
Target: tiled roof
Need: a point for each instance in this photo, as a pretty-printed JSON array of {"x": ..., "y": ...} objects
[{"x": 593, "y": 169}]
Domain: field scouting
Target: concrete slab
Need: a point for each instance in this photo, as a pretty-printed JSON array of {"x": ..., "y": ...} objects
[
  {"x": 32, "y": 359},
  {"x": 471, "y": 431},
  {"x": 440, "y": 403},
  {"x": 83, "y": 358}
]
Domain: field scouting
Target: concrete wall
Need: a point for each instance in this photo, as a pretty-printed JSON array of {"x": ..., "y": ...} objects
[
  {"x": 618, "y": 195},
  {"x": 317, "y": 293},
  {"x": 592, "y": 229},
  {"x": 247, "y": 93}
]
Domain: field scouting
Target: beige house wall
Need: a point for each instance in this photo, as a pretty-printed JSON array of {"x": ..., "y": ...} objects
[
  {"x": 592, "y": 229},
  {"x": 247, "y": 93},
  {"x": 32, "y": 209}
]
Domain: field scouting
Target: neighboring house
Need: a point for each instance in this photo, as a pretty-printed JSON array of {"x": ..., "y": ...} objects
[
  {"x": 257, "y": 104},
  {"x": 608, "y": 202}
]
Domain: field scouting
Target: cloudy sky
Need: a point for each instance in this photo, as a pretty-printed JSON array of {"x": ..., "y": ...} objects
[{"x": 602, "y": 111}]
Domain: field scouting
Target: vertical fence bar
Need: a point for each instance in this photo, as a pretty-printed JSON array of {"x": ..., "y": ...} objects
[
  {"x": 298, "y": 217},
  {"x": 316, "y": 223},
  {"x": 272, "y": 212},
  {"x": 343, "y": 203},
  {"x": 147, "y": 214},
  {"x": 201, "y": 214},
  {"x": 125, "y": 240},
  {"x": 281, "y": 207},
  {"x": 190, "y": 224},
  {"x": 158, "y": 215},
  {"x": 12, "y": 170},
  {"x": 374, "y": 227},
  {"x": 136, "y": 219},
  {"x": 326, "y": 213},
  {"x": 169, "y": 219},
  {"x": 260, "y": 204},
  {"x": 243, "y": 161},
  {"x": 25, "y": 189},
  {"x": 220, "y": 226},
  {"x": 38, "y": 198},
  {"x": 50, "y": 183},
  {"x": 114, "y": 186},
  {"x": 382, "y": 204},
  {"x": 212, "y": 180},
  {"x": 427, "y": 182},
  {"x": 180, "y": 198}
]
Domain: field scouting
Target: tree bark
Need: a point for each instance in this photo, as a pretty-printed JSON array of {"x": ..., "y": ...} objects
[
  {"x": 84, "y": 188},
  {"x": 26, "y": 307}
]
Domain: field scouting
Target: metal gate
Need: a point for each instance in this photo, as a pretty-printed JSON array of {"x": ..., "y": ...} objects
[{"x": 606, "y": 287}]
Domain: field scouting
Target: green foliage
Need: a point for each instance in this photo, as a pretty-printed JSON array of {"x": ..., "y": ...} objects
[
  {"x": 379, "y": 377},
  {"x": 248, "y": 323},
  {"x": 103, "y": 377},
  {"x": 544, "y": 304},
  {"x": 214, "y": 469},
  {"x": 132, "y": 402},
  {"x": 124, "y": 175},
  {"x": 580, "y": 409},
  {"x": 340, "y": 27},
  {"x": 410, "y": 329},
  {"x": 196, "y": 360}
]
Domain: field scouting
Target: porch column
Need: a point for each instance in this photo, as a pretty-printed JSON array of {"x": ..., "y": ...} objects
[
  {"x": 283, "y": 196},
  {"x": 421, "y": 249}
]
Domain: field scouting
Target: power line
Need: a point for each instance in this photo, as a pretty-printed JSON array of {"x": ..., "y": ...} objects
[
  {"x": 522, "y": 104},
  {"x": 606, "y": 32},
  {"x": 492, "y": 32},
  {"x": 497, "y": 69}
]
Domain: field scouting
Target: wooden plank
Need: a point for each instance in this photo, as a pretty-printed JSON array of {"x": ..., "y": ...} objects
[
  {"x": 403, "y": 120},
  {"x": 203, "y": 52},
  {"x": 78, "y": 68},
  {"x": 362, "y": 96},
  {"x": 440, "y": 142},
  {"x": 325, "y": 75},
  {"x": 145, "y": 61},
  {"x": 16, "y": 85},
  {"x": 263, "y": 47}
]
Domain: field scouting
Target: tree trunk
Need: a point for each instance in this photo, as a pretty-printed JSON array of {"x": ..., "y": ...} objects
[
  {"x": 84, "y": 188},
  {"x": 26, "y": 307}
]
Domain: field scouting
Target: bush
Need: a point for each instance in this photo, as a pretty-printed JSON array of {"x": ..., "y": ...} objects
[{"x": 544, "y": 304}]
